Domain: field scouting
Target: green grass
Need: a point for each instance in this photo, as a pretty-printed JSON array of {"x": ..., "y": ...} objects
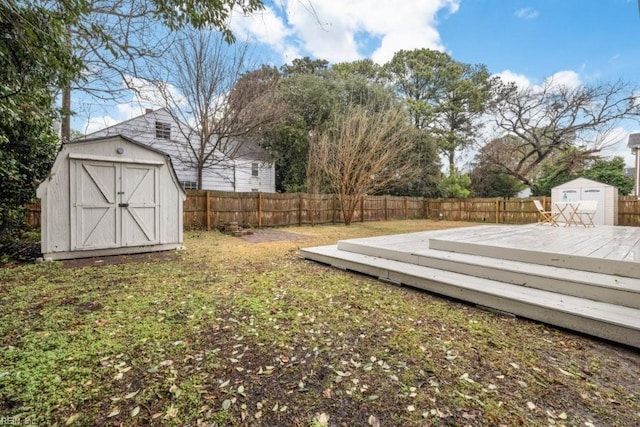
[{"x": 237, "y": 333}]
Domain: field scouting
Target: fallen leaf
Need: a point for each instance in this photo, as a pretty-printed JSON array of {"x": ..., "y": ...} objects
[
  {"x": 72, "y": 419},
  {"x": 563, "y": 416},
  {"x": 135, "y": 411},
  {"x": 327, "y": 393},
  {"x": 226, "y": 404},
  {"x": 132, "y": 394},
  {"x": 322, "y": 419},
  {"x": 172, "y": 412},
  {"x": 411, "y": 408},
  {"x": 374, "y": 421},
  {"x": 115, "y": 411},
  {"x": 531, "y": 405},
  {"x": 569, "y": 374}
]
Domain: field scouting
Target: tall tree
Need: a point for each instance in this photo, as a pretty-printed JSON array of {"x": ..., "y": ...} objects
[
  {"x": 218, "y": 103},
  {"x": 35, "y": 60},
  {"x": 311, "y": 98},
  {"x": 556, "y": 119},
  {"x": 444, "y": 97},
  {"x": 362, "y": 151}
]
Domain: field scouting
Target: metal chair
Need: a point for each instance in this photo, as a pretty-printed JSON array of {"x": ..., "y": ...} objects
[{"x": 546, "y": 217}]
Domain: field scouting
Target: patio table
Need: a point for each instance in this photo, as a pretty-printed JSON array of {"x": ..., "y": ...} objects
[{"x": 568, "y": 212}]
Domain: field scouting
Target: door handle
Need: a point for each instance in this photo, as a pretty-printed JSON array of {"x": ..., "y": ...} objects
[{"x": 123, "y": 205}]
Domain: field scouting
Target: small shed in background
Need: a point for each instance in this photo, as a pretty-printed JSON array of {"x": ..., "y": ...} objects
[
  {"x": 110, "y": 196},
  {"x": 587, "y": 189}
]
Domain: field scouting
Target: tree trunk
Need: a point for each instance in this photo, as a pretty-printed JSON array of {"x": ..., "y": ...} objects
[
  {"x": 65, "y": 125},
  {"x": 200, "y": 169}
]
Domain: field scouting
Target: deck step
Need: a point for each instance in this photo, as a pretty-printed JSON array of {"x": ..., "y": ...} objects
[
  {"x": 539, "y": 256},
  {"x": 601, "y": 319},
  {"x": 601, "y": 287}
]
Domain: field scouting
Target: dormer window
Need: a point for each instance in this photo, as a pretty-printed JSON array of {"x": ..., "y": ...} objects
[{"x": 163, "y": 130}]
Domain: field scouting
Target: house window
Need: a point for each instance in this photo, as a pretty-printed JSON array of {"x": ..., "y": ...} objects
[
  {"x": 255, "y": 190},
  {"x": 255, "y": 169},
  {"x": 189, "y": 185},
  {"x": 163, "y": 130}
]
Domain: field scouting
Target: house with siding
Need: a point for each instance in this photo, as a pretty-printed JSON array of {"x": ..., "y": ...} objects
[{"x": 249, "y": 170}]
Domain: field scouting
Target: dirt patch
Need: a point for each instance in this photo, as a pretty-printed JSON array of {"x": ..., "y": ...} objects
[
  {"x": 272, "y": 235},
  {"x": 121, "y": 259}
]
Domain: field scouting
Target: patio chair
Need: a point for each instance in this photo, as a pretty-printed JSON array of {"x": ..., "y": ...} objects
[
  {"x": 585, "y": 212},
  {"x": 546, "y": 217}
]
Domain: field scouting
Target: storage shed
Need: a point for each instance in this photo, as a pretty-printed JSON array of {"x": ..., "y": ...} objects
[
  {"x": 110, "y": 196},
  {"x": 587, "y": 189}
]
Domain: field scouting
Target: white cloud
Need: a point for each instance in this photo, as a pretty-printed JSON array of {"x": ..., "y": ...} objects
[
  {"x": 569, "y": 79},
  {"x": 615, "y": 142},
  {"x": 566, "y": 78},
  {"x": 94, "y": 124},
  {"x": 339, "y": 31},
  {"x": 262, "y": 27},
  {"x": 526, "y": 13},
  {"x": 520, "y": 80}
]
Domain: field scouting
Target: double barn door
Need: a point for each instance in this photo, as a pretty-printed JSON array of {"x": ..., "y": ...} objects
[{"x": 113, "y": 204}]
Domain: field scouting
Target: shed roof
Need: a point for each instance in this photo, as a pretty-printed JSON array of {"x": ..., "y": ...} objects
[
  {"x": 97, "y": 140},
  {"x": 583, "y": 182}
]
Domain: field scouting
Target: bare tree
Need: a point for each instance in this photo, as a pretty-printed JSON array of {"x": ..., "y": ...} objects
[
  {"x": 218, "y": 104},
  {"x": 552, "y": 119},
  {"x": 361, "y": 152},
  {"x": 117, "y": 40}
]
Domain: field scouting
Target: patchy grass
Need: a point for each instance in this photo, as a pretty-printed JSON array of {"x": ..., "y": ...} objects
[{"x": 231, "y": 332}]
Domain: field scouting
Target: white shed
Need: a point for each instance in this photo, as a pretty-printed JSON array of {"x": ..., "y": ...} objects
[
  {"x": 587, "y": 189},
  {"x": 110, "y": 196}
]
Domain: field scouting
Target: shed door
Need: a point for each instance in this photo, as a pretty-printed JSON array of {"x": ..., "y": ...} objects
[
  {"x": 113, "y": 205},
  {"x": 140, "y": 197}
]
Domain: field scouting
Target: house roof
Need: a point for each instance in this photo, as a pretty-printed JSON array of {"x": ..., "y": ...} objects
[{"x": 146, "y": 113}]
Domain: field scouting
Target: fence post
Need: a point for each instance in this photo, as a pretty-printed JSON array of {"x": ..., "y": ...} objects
[
  {"x": 259, "y": 210},
  {"x": 333, "y": 209},
  {"x": 208, "y": 210},
  {"x": 362, "y": 209},
  {"x": 299, "y": 209},
  {"x": 406, "y": 207},
  {"x": 497, "y": 211},
  {"x": 386, "y": 214}
]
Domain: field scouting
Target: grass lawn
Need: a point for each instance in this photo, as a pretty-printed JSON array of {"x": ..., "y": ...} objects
[{"x": 233, "y": 332}]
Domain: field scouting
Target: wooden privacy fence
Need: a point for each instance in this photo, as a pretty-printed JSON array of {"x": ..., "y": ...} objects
[{"x": 210, "y": 209}]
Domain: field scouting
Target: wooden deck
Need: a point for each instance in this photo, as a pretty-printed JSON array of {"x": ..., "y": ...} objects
[{"x": 584, "y": 279}]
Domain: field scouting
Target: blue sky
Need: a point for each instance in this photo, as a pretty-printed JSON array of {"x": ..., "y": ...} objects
[{"x": 527, "y": 41}]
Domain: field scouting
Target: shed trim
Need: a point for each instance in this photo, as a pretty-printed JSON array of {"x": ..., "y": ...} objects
[{"x": 82, "y": 156}]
